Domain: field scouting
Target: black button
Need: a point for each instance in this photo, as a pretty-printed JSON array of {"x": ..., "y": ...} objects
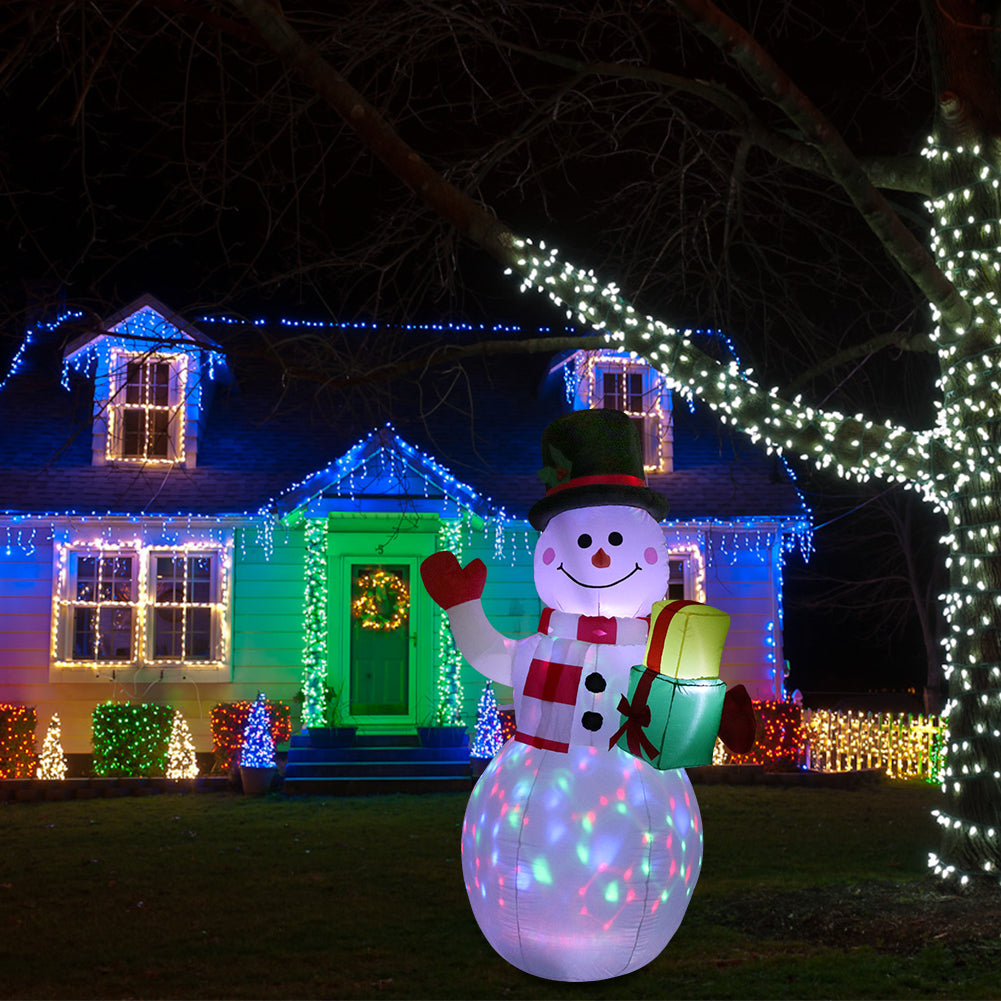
[
  {"x": 594, "y": 682},
  {"x": 592, "y": 721}
]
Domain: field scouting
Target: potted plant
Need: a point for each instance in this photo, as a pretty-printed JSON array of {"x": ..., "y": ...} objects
[
  {"x": 440, "y": 731},
  {"x": 258, "y": 766},
  {"x": 332, "y": 732}
]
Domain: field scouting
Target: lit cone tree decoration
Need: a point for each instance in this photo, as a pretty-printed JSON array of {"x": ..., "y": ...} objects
[
  {"x": 52, "y": 761},
  {"x": 955, "y": 465},
  {"x": 181, "y": 760},
  {"x": 258, "y": 749},
  {"x": 488, "y": 739}
]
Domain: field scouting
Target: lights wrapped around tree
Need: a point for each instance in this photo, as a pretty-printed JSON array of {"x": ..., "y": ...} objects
[
  {"x": 229, "y": 721},
  {"x": 489, "y": 738},
  {"x": 181, "y": 760},
  {"x": 382, "y": 602},
  {"x": 258, "y": 750},
  {"x": 52, "y": 761}
]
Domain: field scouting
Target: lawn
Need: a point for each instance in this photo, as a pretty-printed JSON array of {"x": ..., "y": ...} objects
[{"x": 804, "y": 893}]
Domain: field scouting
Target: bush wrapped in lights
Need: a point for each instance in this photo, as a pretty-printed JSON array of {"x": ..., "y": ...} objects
[
  {"x": 17, "y": 741},
  {"x": 131, "y": 739},
  {"x": 780, "y": 738},
  {"x": 229, "y": 720}
]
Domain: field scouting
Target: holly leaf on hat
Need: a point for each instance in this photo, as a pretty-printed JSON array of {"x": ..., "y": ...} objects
[{"x": 558, "y": 472}]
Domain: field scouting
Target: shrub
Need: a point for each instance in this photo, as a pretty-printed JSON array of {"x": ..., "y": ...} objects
[
  {"x": 131, "y": 739},
  {"x": 229, "y": 719},
  {"x": 781, "y": 736},
  {"x": 17, "y": 741}
]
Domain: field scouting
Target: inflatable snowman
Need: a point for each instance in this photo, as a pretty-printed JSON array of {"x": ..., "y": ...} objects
[{"x": 579, "y": 857}]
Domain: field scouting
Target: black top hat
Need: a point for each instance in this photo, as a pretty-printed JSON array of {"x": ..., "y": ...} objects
[{"x": 591, "y": 458}]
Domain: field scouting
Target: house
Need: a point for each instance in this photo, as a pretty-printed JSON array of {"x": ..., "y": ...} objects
[{"x": 176, "y": 527}]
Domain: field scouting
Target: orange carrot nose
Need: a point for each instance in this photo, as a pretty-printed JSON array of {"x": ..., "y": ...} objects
[{"x": 601, "y": 558}]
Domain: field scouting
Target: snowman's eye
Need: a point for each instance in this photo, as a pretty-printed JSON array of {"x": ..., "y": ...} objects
[
  {"x": 584, "y": 541},
  {"x": 615, "y": 538}
]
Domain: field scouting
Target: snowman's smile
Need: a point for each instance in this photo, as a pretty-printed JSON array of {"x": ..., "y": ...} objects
[{"x": 613, "y": 583}]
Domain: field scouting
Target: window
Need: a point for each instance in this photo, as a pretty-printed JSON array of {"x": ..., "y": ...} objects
[
  {"x": 677, "y": 578},
  {"x": 103, "y": 609},
  {"x": 606, "y": 379},
  {"x": 182, "y": 603},
  {"x": 141, "y": 607},
  {"x": 145, "y": 410}
]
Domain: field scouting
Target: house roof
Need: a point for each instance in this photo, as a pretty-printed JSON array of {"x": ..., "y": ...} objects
[{"x": 263, "y": 446}]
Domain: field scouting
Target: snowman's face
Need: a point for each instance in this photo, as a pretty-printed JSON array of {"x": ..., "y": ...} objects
[{"x": 609, "y": 560}]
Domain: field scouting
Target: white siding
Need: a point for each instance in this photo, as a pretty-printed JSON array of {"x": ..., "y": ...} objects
[{"x": 741, "y": 579}]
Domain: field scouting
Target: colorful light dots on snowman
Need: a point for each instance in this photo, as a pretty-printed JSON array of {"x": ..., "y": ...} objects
[{"x": 592, "y": 877}]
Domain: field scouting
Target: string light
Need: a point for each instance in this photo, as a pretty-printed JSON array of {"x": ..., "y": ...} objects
[
  {"x": 130, "y": 739},
  {"x": 952, "y": 465},
  {"x": 904, "y": 746},
  {"x": 52, "y": 761},
  {"x": 488, "y": 738},
  {"x": 120, "y": 609},
  {"x": 258, "y": 747},
  {"x": 382, "y": 601},
  {"x": 314, "y": 625},
  {"x": 17, "y": 741},
  {"x": 228, "y": 721},
  {"x": 181, "y": 760}
]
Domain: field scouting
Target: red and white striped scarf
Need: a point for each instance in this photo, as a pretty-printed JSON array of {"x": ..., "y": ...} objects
[{"x": 551, "y": 697}]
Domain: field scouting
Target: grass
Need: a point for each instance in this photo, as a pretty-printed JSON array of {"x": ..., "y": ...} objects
[{"x": 223, "y": 896}]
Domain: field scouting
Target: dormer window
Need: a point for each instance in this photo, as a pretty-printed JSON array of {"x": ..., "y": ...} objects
[
  {"x": 614, "y": 381},
  {"x": 152, "y": 374},
  {"x": 145, "y": 409}
]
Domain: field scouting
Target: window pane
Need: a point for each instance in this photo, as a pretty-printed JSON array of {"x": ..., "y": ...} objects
[
  {"x": 159, "y": 434},
  {"x": 134, "y": 382},
  {"x": 133, "y": 433},
  {"x": 200, "y": 580},
  {"x": 168, "y": 633},
  {"x": 199, "y": 634},
  {"x": 610, "y": 393},
  {"x": 635, "y": 401},
  {"x": 84, "y": 635},
  {"x": 158, "y": 376},
  {"x": 86, "y": 578},
  {"x": 116, "y": 634}
]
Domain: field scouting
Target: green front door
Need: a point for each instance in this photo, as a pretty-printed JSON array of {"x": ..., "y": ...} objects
[{"x": 380, "y": 639}]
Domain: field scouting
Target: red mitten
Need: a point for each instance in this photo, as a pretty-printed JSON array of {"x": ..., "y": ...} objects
[
  {"x": 737, "y": 725},
  {"x": 448, "y": 583}
]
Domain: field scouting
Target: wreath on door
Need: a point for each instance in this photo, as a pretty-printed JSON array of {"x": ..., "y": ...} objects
[{"x": 382, "y": 601}]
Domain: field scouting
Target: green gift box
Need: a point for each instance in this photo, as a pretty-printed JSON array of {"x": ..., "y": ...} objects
[{"x": 670, "y": 722}]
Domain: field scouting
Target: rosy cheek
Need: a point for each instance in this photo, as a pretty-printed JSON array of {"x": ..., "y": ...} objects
[
  {"x": 550, "y": 554},
  {"x": 650, "y": 555}
]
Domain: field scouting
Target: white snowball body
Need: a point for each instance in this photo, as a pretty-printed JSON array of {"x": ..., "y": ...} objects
[{"x": 579, "y": 866}]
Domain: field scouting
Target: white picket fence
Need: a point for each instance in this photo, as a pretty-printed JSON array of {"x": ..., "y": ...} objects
[{"x": 904, "y": 746}]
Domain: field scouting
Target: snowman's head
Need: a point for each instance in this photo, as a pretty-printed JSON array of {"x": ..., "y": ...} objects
[{"x": 604, "y": 560}]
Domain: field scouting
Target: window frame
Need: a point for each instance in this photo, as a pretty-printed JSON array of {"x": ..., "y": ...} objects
[
  {"x": 120, "y": 366},
  {"x": 655, "y": 414},
  {"x": 65, "y": 665}
]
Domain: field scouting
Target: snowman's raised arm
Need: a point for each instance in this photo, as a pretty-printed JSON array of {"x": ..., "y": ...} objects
[{"x": 458, "y": 591}]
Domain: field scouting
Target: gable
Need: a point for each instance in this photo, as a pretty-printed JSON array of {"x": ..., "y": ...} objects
[{"x": 381, "y": 472}]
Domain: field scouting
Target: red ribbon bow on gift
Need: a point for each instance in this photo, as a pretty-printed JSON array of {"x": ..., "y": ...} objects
[{"x": 637, "y": 715}]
